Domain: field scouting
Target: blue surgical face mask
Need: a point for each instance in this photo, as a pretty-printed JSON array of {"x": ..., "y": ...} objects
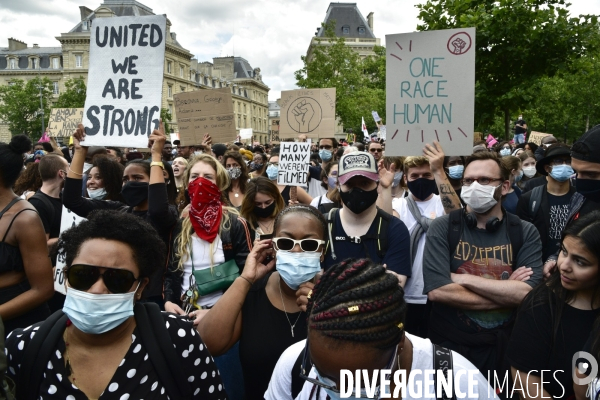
[
  {"x": 272, "y": 172},
  {"x": 97, "y": 194},
  {"x": 561, "y": 173},
  {"x": 296, "y": 268},
  {"x": 519, "y": 177},
  {"x": 325, "y": 155},
  {"x": 98, "y": 313},
  {"x": 505, "y": 152},
  {"x": 397, "y": 179},
  {"x": 456, "y": 172},
  {"x": 332, "y": 182}
]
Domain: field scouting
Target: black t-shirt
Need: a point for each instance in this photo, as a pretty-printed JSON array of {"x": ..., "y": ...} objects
[
  {"x": 532, "y": 348},
  {"x": 559, "y": 212},
  {"x": 588, "y": 207},
  {"x": 519, "y": 130},
  {"x": 51, "y": 222},
  {"x": 266, "y": 333}
]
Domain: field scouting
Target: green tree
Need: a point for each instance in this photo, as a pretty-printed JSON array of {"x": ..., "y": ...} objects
[
  {"x": 73, "y": 96},
  {"x": 359, "y": 83},
  {"x": 517, "y": 43},
  {"x": 20, "y": 105},
  {"x": 166, "y": 117}
]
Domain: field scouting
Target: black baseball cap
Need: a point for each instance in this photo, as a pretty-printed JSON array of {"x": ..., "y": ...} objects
[
  {"x": 586, "y": 147},
  {"x": 555, "y": 150}
]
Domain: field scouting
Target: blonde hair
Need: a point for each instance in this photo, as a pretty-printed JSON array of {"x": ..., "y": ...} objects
[
  {"x": 183, "y": 240},
  {"x": 414, "y": 162}
]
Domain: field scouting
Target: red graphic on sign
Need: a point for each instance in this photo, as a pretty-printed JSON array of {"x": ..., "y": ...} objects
[{"x": 459, "y": 43}]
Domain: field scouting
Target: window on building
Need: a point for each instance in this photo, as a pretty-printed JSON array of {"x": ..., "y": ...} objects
[
  {"x": 171, "y": 109},
  {"x": 84, "y": 26},
  {"x": 182, "y": 88},
  {"x": 169, "y": 67},
  {"x": 78, "y": 61},
  {"x": 239, "y": 121},
  {"x": 12, "y": 63},
  {"x": 55, "y": 63},
  {"x": 191, "y": 76},
  {"x": 55, "y": 88},
  {"x": 345, "y": 30},
  {"x": 34, "y": 63},
  {"x": 169, "y": 90},
  {"x": 181, "y": 71},
  {"x": 361, "y": 30}
]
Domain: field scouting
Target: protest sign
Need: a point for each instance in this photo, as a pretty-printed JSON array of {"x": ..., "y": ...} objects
[
  {"x": 536, "y": 137},
  {"x": 64, "y": 121},
  {"x": 67, "y": 221},
  {"x": 124, "y": 91},
  {"x": 376, "y": 116},
  {"x": 430, "y": 88},
  {"x": 382, "y": 132},
  {"x": 307, "y": 111},
  {"x": 174, "y": 136},
  {"x": 275, "y": 139},
  {"x": 294, "y": 159},
  {"x": 205, "y": 111},
  {"x": 246, "y": 133}
]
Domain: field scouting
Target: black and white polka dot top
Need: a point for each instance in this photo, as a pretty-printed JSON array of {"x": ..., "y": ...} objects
[{"x": 135, "y": 377}]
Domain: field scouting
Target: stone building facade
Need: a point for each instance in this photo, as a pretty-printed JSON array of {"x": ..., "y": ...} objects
[{"x": 182, "y": 72}]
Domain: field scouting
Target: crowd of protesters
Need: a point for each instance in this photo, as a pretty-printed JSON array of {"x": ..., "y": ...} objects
[{"x": 194, "y": 274}]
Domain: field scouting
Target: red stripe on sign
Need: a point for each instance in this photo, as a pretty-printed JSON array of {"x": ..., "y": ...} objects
[
  {"x": 462, "y": 132},
  {"x": 437, "y": 136},
  {"x": 450, "y": 135},
  {"x": 407, "y": 133},
  {"x": 398, "y": 44},
  {"x": 393, "y": 55},
  {"x": 395, "y": 133}
]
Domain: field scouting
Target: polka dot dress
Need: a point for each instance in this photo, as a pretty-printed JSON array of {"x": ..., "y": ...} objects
[{"x": 135, "y": 377}]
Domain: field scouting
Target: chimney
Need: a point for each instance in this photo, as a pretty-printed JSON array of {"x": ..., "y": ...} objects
[
  {"x": 35, "y": 46},
  {"x": 84, "y": 12},
  {"x": 370, "y": 21},
  {"x": 14, "y": 44}
]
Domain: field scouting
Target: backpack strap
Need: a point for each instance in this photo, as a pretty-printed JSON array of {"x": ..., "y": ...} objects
[
  {"x": 160, "y": 349},
  {"x": 330, "y": 221},
  {"x": 442, "y": 363},
  {"x": 455, "y": 228},
  {"x": 38, "y": 353},
  {"x": 515, "y": 235},
  {"x": 297, "y": 382},
  {"x": 535, "y": 201},
  {"x": 44, "y": 199}
]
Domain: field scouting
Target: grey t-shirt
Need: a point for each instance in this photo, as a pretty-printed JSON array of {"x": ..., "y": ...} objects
[{"x": 481, "y": 253}]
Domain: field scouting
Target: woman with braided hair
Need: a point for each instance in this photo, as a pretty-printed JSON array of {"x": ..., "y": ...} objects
[
  {"x": 259, "y": 309},
  {"x": 356, "y": 315}
]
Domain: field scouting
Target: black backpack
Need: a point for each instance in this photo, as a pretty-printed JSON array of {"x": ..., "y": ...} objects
[
  {"x": 154, "y": 335},
  {"x": 456, "y": 224},
  {"x": 44, "y": 199},
  {"x": 383, "y": 222}
]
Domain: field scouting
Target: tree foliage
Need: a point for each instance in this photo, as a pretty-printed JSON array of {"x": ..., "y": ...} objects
[
  {"x": 518, "y": 43},
  {"x": 359, "y": 82},
  {"x": 20, "y": 105},
  {"x": 166, "y": 117},
  {"x": 73, "y": 96}
]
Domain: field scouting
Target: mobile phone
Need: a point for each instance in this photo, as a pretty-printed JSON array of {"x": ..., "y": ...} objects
[{"x": 265, "y": 237}]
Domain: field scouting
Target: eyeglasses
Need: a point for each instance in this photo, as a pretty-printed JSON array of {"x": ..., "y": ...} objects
[
  {"x": 287, "y": 244},
  {"x": 560, "y": 161},
  {"x": 82, "y": 277},
  {"x": 482, "y": 181},
  {"x": 375, "y": 150}
]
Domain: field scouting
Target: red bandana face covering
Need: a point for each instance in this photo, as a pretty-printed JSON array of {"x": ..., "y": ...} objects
[{"x": 206, "y": 208}]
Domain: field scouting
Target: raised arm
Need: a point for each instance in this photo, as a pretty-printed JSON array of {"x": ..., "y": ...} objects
[
  {"x": 386, "y": 178},
  {"x": 435, "y": 154}
]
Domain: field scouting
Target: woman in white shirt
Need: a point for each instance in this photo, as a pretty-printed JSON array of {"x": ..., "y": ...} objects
[
  {"x": 356, "y": 322},
  {"x": 329, "y": 178}
]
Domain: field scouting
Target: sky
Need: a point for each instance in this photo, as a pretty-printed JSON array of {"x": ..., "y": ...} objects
[{"x": 271, "y": 34}]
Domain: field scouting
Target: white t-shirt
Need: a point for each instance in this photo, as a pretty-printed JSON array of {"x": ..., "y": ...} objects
[
  {"x": 281, "y": 380},
  {"x": 323, "y": 199},
  {"x": 315, "y": 189},
  {"x": 432, "y": 208},
  {"x": 201, "y": 253}
]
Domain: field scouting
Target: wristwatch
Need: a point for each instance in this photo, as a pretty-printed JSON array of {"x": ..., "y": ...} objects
[{"x": 158, "y": 164}]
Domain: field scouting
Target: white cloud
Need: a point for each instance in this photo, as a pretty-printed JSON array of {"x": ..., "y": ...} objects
[{"x": 270, "y": 34}]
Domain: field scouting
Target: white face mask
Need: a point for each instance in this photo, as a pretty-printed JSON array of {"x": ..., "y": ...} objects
[
  {"x": 529, "y": 171},
  {"x": 87, "y": 167},
  {"x": 479, "y": 197},
  {"x": 97, "y": 194}
]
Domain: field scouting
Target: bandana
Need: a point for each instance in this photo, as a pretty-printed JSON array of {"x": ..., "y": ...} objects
[{"x": 206, "y": 208}]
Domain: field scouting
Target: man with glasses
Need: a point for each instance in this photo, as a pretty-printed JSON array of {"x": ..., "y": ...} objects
[
  {"x": 376, "y": 149},
  {"x": 327, "y": 149},
  {"x": 547, "y": 206},
  {"x": 478, "y": 265}
]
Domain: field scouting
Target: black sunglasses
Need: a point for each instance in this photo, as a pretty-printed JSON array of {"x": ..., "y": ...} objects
[{"x": 82, "y": 277}]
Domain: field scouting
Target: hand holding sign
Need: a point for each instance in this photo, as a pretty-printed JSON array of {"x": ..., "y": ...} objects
[
  {"x": 78, "y": 137},
  {"x": 156, "y": 141},
  {"x": 303, "y": 113},
  {"x": 207, "y": 140},
  {"x": 435, "y": 155}
]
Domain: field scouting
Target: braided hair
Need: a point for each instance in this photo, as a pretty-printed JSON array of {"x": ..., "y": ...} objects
[{"x": 358, "y": 301}]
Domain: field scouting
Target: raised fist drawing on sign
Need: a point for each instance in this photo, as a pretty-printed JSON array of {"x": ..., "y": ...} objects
[
  {"x": 459, "y": 45},
  {"x": 303, "y": 113}
]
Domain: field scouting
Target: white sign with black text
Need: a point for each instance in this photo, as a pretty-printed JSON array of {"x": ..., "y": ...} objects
[
  {"x": 67, "y": 221},
  {"x": 294, "y": 160}
]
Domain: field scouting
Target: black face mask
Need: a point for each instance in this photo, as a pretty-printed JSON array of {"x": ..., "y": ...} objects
[
  {"x": 264, "y": 212},
  {"x": 422, "y": 188},
  {"x": 358, "y": 200},
  {"x": 588, "y": 188},
  {"x": 135, "y": 193}
]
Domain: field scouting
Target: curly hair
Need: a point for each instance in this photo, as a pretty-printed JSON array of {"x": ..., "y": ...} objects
[
  {"x": 11, "y": 159},
  {"x": 358, "y": 301},
  {"x": 111, "y": 173},
  {"x": 29, "y": 180},
  {"x": 149, "y": 251}
]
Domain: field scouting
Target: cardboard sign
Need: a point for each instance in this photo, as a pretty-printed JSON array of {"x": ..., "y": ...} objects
[
  {"x": 275, "y": 139},
  {"x": 307, "y": 111},
  {"x": 64, "y": 121},
  {"x": 124, "y": 91},
  {"x": 430, "y": 88},
  {"x": 376, "y": 116},
  {"x": 205, "y": 111},
  {"x": 382, "y": 132},
  {"x": 174, "y": 136},
  {"x": 536, "y": 137},
  {"x": 67, "y": 221},
  {"x": 294, "y": 159},
  {"x": 246, "y": 133}
]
